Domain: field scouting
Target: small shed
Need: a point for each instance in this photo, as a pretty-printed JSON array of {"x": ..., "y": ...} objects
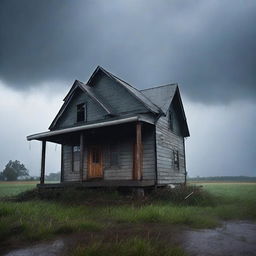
[{"x": 112, "y": 134}]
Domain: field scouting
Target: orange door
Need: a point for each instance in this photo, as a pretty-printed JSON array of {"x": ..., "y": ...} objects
[{"x": 95, "y": 169}]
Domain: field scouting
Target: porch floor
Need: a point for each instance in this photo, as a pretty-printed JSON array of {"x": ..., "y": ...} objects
[{"x": 101, "y": 183}]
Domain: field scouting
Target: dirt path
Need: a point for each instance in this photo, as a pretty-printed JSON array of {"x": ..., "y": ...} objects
[{"x": 233, "y": 238}]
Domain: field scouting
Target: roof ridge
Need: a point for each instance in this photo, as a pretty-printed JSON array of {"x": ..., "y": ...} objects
[
  {"x": 159, "y": 86},
  {"x": 134, "y": 88},
  {"x": 96, "y": 97}
]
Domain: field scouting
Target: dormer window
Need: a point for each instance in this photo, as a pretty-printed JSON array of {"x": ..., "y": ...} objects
[{"x": 81, "y": 112}]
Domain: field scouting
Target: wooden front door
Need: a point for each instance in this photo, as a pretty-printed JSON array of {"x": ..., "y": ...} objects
[{"x": 95, "y": 165}]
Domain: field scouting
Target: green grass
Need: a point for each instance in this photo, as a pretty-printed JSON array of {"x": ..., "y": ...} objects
[
  {"x": 40, "y": 219},
  {"x": 169, "y": 214},
  {"x": 232, "y": 192},
  {"x": 130, "y": 247},
  {"x": 36, "y": 220},
  {"x": 14, "y": 188}
]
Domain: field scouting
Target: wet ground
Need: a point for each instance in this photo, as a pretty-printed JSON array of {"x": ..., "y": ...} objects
[
  {"x": 233, "y": 238},
  {"x": 44, "y": 249}
]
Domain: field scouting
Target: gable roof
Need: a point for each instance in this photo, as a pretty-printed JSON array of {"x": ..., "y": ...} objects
[
  {"x": 157, "y": 99},
  {"x": 163, "y": 97},
  {"x": 133, "y": 91},
  {"x": 89, "y": 91}
]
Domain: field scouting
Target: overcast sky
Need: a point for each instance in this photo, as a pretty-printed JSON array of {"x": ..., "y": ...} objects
[{"x": 208, "y": 47}]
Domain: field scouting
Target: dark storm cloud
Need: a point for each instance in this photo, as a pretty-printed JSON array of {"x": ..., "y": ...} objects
[{"x": 209, "y": 47}]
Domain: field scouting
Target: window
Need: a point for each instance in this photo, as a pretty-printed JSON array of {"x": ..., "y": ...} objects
[
  {"x": 176, "y": 159},
  {"x": 171, "y": 120},
  {"x": 112, "y": 157},
  {"x": 75, "y": 158},
  {"x": 81, "y": 112}
]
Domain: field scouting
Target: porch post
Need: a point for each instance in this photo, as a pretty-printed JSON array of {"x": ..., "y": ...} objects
[
  {"x": 138, "y": 153},
  {"x": 62, "y": 165},
  {"x": 43, "y": 162},
  {"x": 81, "y": 155}
]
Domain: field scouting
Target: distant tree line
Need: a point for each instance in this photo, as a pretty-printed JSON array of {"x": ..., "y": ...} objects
[
  {"x": 224, "y": 178},
  {"x": 15, "y": 170}
]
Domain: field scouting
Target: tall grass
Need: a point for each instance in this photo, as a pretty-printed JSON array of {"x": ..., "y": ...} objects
[
  {"x": 186, "y": 215},
  {"x": 39, "y": 220},
  {"x": 130, "y": 247}
]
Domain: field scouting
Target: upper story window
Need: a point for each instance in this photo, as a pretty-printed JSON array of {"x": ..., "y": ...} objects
[
  {"x": 176, "y": 159},
  {"x": 81, "y": 112}
]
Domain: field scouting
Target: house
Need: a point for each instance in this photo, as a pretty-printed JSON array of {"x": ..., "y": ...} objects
[{"x": 113, "y": 134}]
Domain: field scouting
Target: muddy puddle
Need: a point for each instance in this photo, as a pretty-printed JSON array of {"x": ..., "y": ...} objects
[
  {"x": 45, "y": 249},
  {"x": 231, "y": 239}
]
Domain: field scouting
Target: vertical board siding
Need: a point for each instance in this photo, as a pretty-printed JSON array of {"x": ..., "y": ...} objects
[{"x": 166, "y": 142}]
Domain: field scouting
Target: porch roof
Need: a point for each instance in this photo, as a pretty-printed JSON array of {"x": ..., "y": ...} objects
[{"x": 48, "y": 134}]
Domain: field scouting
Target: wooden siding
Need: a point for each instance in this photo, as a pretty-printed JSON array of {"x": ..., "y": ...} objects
[
  {"x": 119, "y": 98},
  {"x": 124, "y": 171},
  {"x": 176, "y": 121},
  {"x": 70, "y": 174},
  {"x": 148, "y": 171},
  {"x": 93, "y": 110},
  {"x": 166, "y": 142}
]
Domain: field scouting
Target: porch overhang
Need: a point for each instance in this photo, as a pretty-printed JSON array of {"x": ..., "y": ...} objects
[{"x": 46, "y": 136}]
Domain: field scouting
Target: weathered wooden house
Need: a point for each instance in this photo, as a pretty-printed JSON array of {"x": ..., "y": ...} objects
[{"x": 112, "y": 134}]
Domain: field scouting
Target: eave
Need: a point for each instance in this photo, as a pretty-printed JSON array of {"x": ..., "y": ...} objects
[{"x": 46, "y": 135}]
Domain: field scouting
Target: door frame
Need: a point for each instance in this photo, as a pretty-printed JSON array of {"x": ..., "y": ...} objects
[{"x": 89, "y": 161}]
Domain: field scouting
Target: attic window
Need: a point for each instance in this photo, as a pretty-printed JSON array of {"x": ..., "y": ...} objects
[
  {"x": 176, "y": 159},
  {"x": 81, "y": 112}
]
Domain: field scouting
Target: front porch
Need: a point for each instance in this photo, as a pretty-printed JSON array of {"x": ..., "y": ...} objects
[{"x": 84, "y": 137}]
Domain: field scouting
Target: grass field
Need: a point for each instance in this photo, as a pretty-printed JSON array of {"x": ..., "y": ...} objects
[
  {"x": 36, "y": 219},
  {"x": 13, "y": 188}
]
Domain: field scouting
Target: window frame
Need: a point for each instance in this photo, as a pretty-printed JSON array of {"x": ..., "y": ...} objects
[
  {"x": 75, "y": 154},
  {"x": 176, "y": 159},
  {"x": 112, "y": 149},
  {"x": 81, "y": 112}
]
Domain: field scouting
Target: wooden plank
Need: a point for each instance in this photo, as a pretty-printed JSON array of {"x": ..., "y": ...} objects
[
  {"x": 166, "y": 141},
  {"x": 138, "y": 153},
  {"x": 102, "y": 183},
  {"x": 81, "y": 155},
  {"x": 62, "y": 165},
  {"x": 43, "y": 162}
]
